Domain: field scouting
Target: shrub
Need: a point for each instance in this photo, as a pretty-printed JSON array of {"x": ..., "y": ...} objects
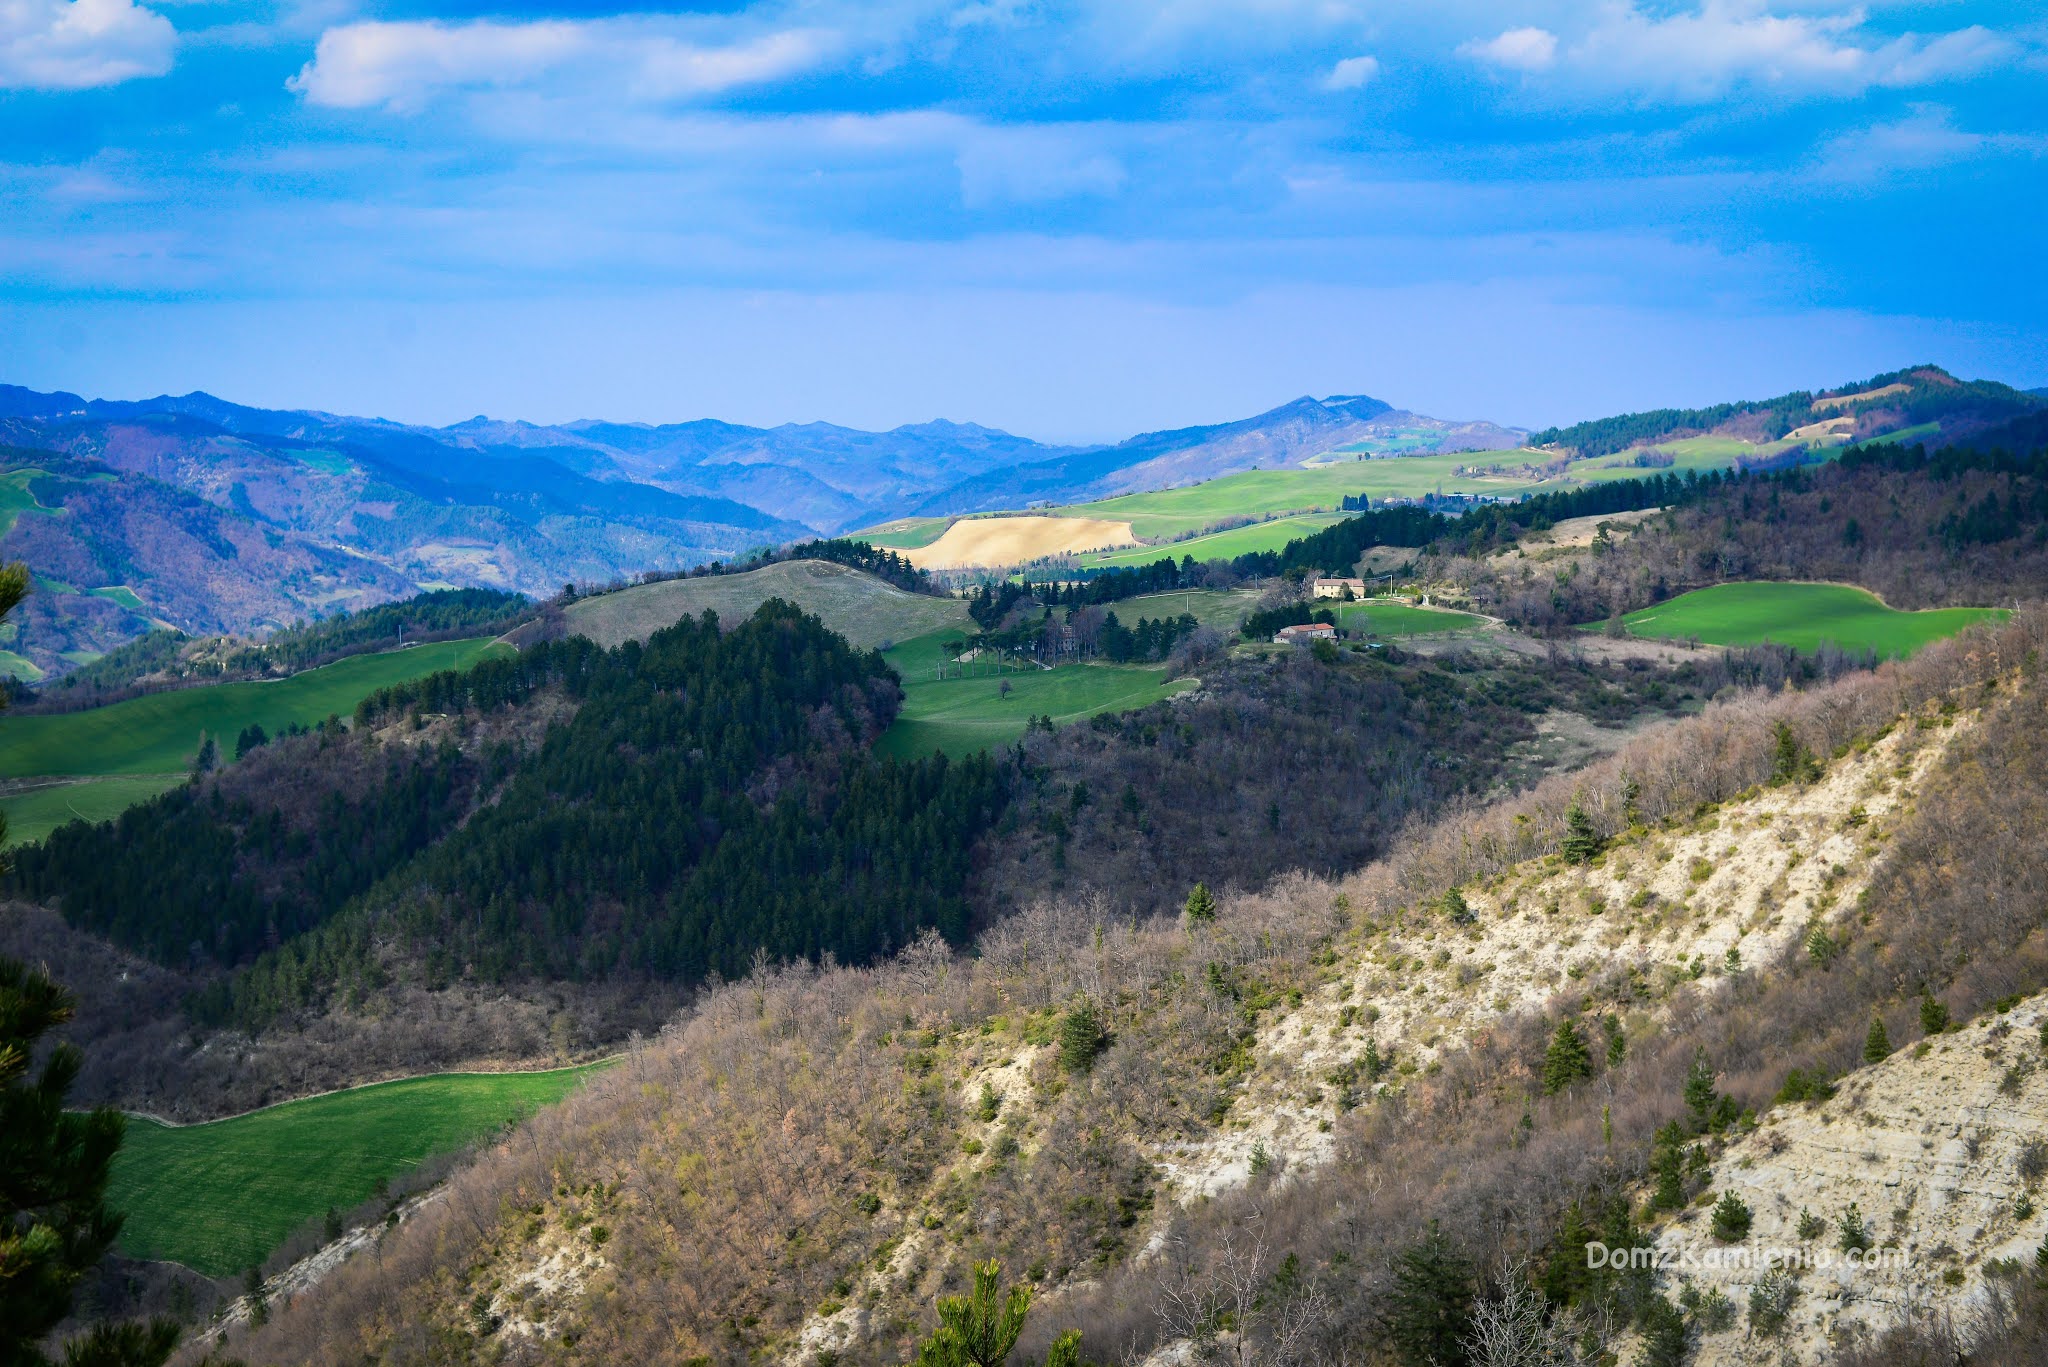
[
  {"x": 1934, "y": 1016},
  {"x": 1770, "y": 1303},
  {"x": 1855, "y": 1234},
  {"x": 1731, "y": 1218},
  {"x": 1811, "y": 1226}
]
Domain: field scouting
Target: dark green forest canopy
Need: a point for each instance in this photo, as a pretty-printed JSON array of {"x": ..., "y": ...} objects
[{"x": 712, "y": 796}]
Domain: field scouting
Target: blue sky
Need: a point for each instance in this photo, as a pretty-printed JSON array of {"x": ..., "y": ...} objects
[{"x": 1075, "y": 220}]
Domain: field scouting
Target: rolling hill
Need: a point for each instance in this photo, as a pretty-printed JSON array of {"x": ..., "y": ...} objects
[
  {"x": 866, "y": 611},
  {"x": 209, "y": 516}
]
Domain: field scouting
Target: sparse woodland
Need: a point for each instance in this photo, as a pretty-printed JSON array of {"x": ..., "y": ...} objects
[
  {"x": 807, "y": 1156},
  {"x": 1961, "y": 527}
]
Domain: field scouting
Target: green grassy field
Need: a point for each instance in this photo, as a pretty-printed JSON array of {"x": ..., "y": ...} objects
[
  {"x": 1261, "y": 536},
  {"x": 160, "y": 733},
  {"x": 1391, "y": 617},
  {"x": 19, "y": 666},
  {"x": 863, "y": 609},
  {"x": 906, "y": 534},
  {"x": 15, "y": 498},
  {"x": 34, "y": 812},
  {"x": 1223, "y": 609},
  {"x": 1175, "y": 512},
  {"x": 122, "y": 594},
  {"x": 220, "y": 1196},
  {"x": 1801, "y": 616},
  {"x": 959, "y": 716}
]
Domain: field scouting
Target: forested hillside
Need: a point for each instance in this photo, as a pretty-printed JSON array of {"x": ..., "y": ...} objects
[
  {"x": 1362, "y": 1118},
  {"x": 1883, "y": 403},
  {"x": 664, "y": 811},
  {"x": 167, "y": 658},
  {"x": 1963, "y": 525}
]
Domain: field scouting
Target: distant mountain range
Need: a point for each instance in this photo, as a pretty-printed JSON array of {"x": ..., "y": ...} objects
[{"x": 210, "y": 516}]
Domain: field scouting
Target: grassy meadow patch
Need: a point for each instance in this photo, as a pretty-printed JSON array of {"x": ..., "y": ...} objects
[
  {"x": 160, "y": 733},
  {"x": 1801, "y": 616},
  {"x": 220, "y": 1196}
]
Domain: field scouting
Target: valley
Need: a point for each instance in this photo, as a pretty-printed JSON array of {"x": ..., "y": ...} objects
[{"x": 940, "y": 913}]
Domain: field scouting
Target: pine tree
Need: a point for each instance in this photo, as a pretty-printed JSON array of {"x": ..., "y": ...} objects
[
  {"x": 1933, "y": 1014},
  {"x": 1430, "y": 1311},
  {"x": 1582, "y": 843},
  {"x": 1081, "y": 1038},
  {"x": 1731, "y": 1218},
  {"x": 1667, "y": 1164},
  {"x": 1566, "y": 1060},
  {"x": 1456, "y": 909},
  {"x": 1617, "y": 1041},
  {"x": 1877, "y": 1045},
  {"x": 980, "y": 1328},
  {"x": 54, "y": 1164},
  {"x": 14, "y": 583},
  {"x": 1201, "y": 904},
  {"x": 1631, "y": 799},
  {"x": 1700, "y": 1096}
]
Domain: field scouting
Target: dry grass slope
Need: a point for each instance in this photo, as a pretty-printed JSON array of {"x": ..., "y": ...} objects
[
  {"x": 992, "y": 542},
  {"x": 860, "y": 607},
  {"x": 808, "y": 1157}
]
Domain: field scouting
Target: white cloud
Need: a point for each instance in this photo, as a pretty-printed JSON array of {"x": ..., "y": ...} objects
[
  {"x": 1702, "y": 54},
  {"x": 1519, "y": 49},
  {"x": 79, "y": 44},
  {"x": 1926, "y": 138},
  {"x": 402, "y": 65},
  {"x": 1032, "y": 165},
  {"x": 1352, "y": 73}
]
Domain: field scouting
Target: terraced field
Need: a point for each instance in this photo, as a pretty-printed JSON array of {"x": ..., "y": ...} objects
[
  {"x": 219, "y": 1197},
  {"x": 1801, "y": 616}
]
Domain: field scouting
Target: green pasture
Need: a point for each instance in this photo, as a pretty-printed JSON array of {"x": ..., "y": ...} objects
[
  {"x": 1223, "y": 609},
  {"x": 15, "y": 497},
  {"x": 1801, "y": 616},
  {"x": 123, "y": 595},
  {"x": 160, "y": 733},
  {"x": 19, "y": 666},
  {"x": 220, "y": 1196},
  {"x": 1260, "y": 536},
  {"x": 34, "y": 812},
  {"x": 1392, "y": 617},
  {"x": 960, "y": 715},
  {"x": 906, "y": 534},
  {"x": 1176, "y": 512}
]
